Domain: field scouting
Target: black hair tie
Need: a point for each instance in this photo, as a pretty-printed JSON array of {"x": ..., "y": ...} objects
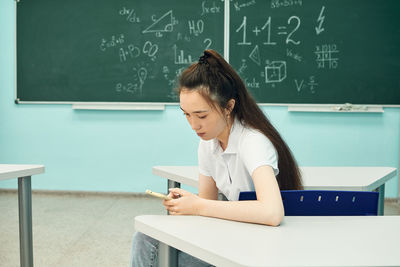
[{"x": 203, "y": 59}]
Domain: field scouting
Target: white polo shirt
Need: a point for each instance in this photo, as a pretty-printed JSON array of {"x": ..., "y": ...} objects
[{"x": 231, "y": 169}]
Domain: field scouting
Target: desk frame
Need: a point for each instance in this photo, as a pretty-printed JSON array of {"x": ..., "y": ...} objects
[
  {"x": 189, "y": 175},
  {"x": 169, "y": 255},
  {"x": 23, "y": 172},
  {"x": 313, "y": 240}
]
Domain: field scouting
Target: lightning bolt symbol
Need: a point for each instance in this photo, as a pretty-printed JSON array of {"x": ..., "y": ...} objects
[{"x": 320, "y": 19}]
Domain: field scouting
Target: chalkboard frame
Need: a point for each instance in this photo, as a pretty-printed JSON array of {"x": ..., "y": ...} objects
[
  {"x": 242, "y": 24},
  {"x": 157, "y": 104}
]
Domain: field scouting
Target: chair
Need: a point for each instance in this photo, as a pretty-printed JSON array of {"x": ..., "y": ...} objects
[{"x": 325, "y": 202}]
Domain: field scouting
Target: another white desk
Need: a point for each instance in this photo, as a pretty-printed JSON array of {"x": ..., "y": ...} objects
[
  {"x": 23, "y": 173},
  {"x": 314, "y": 178},
  {"x": 299, "y": 241}
]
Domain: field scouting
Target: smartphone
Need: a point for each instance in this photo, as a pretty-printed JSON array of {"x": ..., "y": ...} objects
[{"x": 159, "y": 195}]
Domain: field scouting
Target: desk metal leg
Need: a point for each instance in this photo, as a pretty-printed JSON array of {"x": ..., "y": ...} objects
[
  {"x": 173, "y": 184},
  {"x": 25, "y": 221},
  {"x": 167, "y": 256},
  {"x": 381, "y": 202}
]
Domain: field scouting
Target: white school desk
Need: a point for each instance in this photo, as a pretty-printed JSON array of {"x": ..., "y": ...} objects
[
  {"x": 314, "y": 178},
  {"x": 298, "y": 241},
  {"x": 23, "y": 173}
]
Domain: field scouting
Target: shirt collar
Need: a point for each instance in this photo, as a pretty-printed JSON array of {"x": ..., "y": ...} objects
[{"x": 233, "y": 140}]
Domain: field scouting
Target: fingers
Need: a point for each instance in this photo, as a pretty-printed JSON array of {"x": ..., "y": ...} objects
[
  {"x": 170, "y": 205},
  {"x": 178, "y": 191},
  {"x": 174, "y": 206},
  {"x": 173, "y": 201},
  {"x": 173, "y": 213},
  {"x": 167, "y": 203},
  {"x": 173, "y": 210},
  {"x": 175, "y": 195},
  {"x": 171, "y": 195}
]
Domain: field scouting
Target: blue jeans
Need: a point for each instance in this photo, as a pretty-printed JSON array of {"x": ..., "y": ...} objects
[{"x": 145, "y": 254}]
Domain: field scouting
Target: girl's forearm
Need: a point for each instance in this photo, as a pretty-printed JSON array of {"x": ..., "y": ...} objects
[{"x": 243, "y": 211}]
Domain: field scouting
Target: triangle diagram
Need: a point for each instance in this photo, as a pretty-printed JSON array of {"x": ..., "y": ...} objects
[
  {"x": 163, "y": 24},
  {"x": 255, "y": 55}
]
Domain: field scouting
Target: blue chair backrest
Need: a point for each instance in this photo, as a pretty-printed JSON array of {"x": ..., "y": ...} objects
[{"x": 325, "y": 202}]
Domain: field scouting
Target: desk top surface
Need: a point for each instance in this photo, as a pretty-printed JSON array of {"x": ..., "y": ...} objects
[
  {"x": 314, "y": 178},
  {"x": 298, "y": 241},
  {"x": 10, "y": 171}
]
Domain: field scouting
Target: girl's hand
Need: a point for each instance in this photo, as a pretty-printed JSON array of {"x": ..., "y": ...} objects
[{"x": 186, "y": 204}]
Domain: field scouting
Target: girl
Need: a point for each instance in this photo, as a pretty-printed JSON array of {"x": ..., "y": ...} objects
[{"x": 239, "y": 150}]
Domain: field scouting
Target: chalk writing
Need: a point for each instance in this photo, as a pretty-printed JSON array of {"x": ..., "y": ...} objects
[
  {"x": 243, "y": 67},
  {"x": 165, "y": 71},
  {"x": 179, "y": 56},
  {"x": 114, "y": 41},
  {"x": 196, "y": 28},
  {"x": 311, "y": 84},
  {"x": 213, "y": 9},
  {"x": 208, "y": 43},
  {"x": 243, "y": 26},
  {"x": 326, "y": 54},
  {"x": 267, "y": 26},
  {"x": 299, "y": 86},
  {"x": 162, "y": 25},
  {"x": 292, "y": 49},
  {"x": 179, "y": 71},
  {"x": 150, "y": 49},
  {"x": 252, "y": 84},
  {"x": 127, "y": 87},
  {"x": 285, "y": 3},
  {"x": 293, "y": 21},
  {"x": 130, "y": 15},
  {"x": 293, "y": 55},
  {"x": 142, "y": 74},
  {"x": 243, "y": 5},
  {"x": 255, "y": 55},
  {"x": 320, "y": 21},
  {"x": 131, "y": 51},
  {"x": 166, "y": 74},
  {"x": 289, "y": 37},
  {"x": 275, "y": 71}
]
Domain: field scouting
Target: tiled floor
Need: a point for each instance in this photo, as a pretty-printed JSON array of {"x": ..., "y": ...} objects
[
  {"x": 74, "y": 230},
  {"x": 81, "y": 230}
]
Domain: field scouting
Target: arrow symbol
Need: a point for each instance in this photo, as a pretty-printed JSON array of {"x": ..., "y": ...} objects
[{"x": 320, "y": 19}]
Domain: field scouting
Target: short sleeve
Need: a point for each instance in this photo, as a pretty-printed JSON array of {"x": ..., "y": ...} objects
[
  {"x": 203, "y": 158},
  {"x": 257, "y": 150}
]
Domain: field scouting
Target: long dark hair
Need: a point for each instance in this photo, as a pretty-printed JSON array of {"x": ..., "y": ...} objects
[{"x": 218, "y": 83}]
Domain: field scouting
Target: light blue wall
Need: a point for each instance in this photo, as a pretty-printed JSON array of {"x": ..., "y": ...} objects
[{"x": 115, "y": 150}]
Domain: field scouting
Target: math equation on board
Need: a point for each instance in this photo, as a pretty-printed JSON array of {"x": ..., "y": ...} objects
[
  {"x": 156, "y": 44},
  {"x": 282, "y": 46}
]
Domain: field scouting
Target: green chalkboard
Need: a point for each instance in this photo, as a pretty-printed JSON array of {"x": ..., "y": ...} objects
[
  {"x": 111, "y": 50},
  {"x": 318, "y": 51}
]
